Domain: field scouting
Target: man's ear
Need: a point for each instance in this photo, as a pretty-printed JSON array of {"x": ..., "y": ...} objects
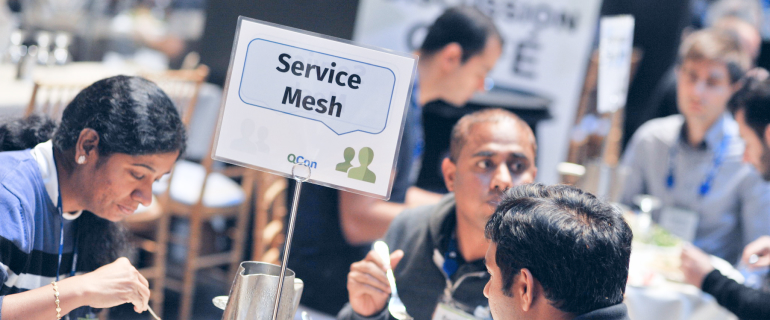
[
  {"x": 450, "y": 57},
  {"x": 87, "y": 145},
  {"x": 524, "y": 287},
  {"x": 448, "y": 169}
]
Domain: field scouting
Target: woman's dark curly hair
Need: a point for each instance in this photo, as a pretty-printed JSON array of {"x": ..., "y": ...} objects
[{"x": 131, "y": 115}]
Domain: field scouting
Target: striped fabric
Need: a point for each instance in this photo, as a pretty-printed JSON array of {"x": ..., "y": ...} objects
[{"x": 30, "y": 223}]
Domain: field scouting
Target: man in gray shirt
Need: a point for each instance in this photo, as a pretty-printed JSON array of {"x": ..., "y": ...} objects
[
  {"x": 439, "y": 250},
  {"x": 693, "y": 163}
]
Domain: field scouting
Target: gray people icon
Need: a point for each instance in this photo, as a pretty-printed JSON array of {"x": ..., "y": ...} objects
[
  {"x": 365, "y": 157},
  {"x": 244, "y": 143},
  {"x": 349, "y": 153}
]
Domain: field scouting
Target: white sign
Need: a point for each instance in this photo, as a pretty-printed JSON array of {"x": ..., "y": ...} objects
[
  {"x": 547, "y": 44},
  {"x": 293, "y": 97},
  {"x": 616, "y": 37}
]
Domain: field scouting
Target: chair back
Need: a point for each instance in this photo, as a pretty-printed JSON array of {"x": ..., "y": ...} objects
[
  {"x": 270, "y": 213},
  {"x": 182, "y": 86},
  {"x": 50, "y": 98}
]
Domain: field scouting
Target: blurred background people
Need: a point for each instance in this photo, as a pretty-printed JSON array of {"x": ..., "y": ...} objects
[
  {"x": 439, "y": 249},
  {"x": 556, "y": 253},
  {"x": 752, "y": 113},
  {"x": 692, "y": 161}
]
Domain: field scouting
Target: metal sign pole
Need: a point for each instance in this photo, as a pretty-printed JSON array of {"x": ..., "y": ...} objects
[{"x": 289, "y": 235}]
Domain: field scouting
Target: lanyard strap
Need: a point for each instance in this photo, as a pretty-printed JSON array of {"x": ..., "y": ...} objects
[
  {"x": 61, "y": 235},
  {"x": 705, "y": 186},
  {"x": 451, "y": 265}
]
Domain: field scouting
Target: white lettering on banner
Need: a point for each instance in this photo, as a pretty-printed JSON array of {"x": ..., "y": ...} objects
[
  {"x": 547, "y": 45},
  {"x": 293, "y": 98}
]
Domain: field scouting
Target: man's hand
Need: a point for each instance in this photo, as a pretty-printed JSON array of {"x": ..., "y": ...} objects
[
  {"x": 115, "y": 284},
  {"x": 696, "y": 264},
  {"x": 368, "y": 287},
  {"x": 760, "y": 248}
]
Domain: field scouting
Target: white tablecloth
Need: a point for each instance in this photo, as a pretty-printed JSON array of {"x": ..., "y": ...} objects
[{"x": 673, "y": 302}]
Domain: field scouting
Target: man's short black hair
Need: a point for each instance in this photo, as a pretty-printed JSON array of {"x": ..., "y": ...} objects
[
  {"x": 754, "y": 99},
  {"x": 466, "y": 26},
  {"x": 577, "y": 246}
]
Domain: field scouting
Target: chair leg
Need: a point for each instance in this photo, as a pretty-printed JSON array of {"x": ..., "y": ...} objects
[
  {"x": 241, "y": 223},
  {"x": 159, "y": 284},
  {"x": 193, "y": 248}
]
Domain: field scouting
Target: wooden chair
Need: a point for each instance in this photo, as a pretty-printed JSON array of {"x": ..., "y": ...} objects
[
  {"x": 594, "y": 149},
  {"x": 50, "y": 98},
  {"x": 269, "y": 218},
  {"x": 149, "y": 228},
  {"x": 182, "y": 86},
  {"x": 199, "y": 193}
]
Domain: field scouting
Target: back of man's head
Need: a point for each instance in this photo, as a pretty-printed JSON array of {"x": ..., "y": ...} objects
[
  {"x": 753, "y": 100},
  {"x": 575, "y": 245},
  {"x": 718, "y": 46},
  {"x": 466, "y": 26}
]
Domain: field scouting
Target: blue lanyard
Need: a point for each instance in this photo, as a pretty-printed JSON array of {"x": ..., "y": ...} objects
[
  {"x": 450, "y": 258},
  {"x": 705, "y": 186},
  {"x": 61, "y": 235}
]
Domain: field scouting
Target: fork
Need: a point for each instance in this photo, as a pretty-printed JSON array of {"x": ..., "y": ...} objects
[{"x": 395, "y": 305}]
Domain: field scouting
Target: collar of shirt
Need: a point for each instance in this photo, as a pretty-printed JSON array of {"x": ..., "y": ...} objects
[
  {"x": 724, "y": 126},
  {"x": 442, "y": 225},
  {"x": 43, "y": 155}
]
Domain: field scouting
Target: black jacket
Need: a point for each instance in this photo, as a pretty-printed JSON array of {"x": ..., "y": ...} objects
[
  {"x": 746, "y": 303},
  {"x": 616, "y": 312}
]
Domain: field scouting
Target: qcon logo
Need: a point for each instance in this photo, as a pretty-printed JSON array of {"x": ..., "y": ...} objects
[{"x": 301, "y": 160}]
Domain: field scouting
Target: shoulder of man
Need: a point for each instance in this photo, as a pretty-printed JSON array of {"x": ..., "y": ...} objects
[
  {"x": 665, "y": 128},
  {"x": 415, "y": 222}
]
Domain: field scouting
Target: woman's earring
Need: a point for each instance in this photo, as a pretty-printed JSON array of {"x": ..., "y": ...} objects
[{"x": 81, "y": 159}]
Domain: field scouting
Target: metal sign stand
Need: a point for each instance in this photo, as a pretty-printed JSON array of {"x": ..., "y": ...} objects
[{"x": 289, "y": 234}]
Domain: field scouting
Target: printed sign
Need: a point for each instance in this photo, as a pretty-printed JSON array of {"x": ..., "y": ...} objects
[
  {"x": 616, "y": 37},
  {"x": 297, "y": 98}
]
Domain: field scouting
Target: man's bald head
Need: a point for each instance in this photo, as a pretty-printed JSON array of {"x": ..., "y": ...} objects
[{"x": 463, "y": 127}]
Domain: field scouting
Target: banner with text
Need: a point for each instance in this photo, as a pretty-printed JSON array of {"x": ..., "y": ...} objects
[
  {"x": 293, "y": 97},
  {"x": 546, "y": 51}
]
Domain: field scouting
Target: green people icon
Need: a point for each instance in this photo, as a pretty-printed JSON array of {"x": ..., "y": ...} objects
[
  {"x": 365, "y": 157},
  {"x": 349, "y": 154}
]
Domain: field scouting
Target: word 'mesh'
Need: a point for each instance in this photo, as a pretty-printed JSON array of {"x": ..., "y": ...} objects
[{"x": 297, "y": 68}]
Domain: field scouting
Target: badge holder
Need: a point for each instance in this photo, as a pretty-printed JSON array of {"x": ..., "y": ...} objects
[{"x": 289, "y": 232}]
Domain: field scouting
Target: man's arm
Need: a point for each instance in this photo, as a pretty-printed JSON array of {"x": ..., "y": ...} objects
[
  {"x": 365, "y": 219},
  {"x": 744, "y": 302},
  {"x": 416, "y": 197}
]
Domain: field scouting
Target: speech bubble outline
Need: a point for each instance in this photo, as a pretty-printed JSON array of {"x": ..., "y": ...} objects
[{"x": 390, "y": 100}]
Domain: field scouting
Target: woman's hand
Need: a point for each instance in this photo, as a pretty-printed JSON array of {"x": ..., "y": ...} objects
[
  {"x": 696, "y": 264},
  {"x": 114, "y": 284}
]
